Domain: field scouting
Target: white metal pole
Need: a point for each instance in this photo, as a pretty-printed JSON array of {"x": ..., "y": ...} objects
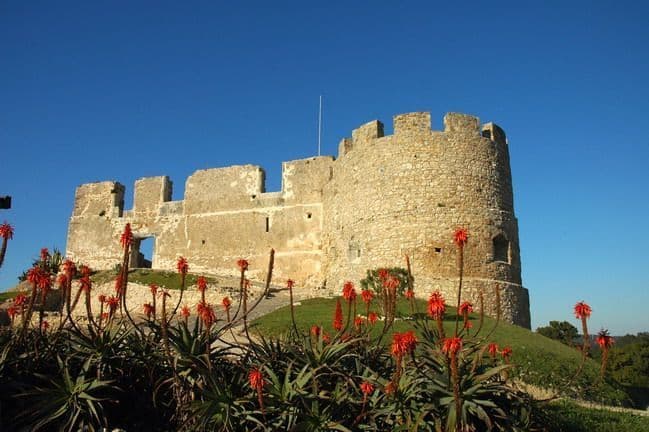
[{"x": 319, "y": 125}]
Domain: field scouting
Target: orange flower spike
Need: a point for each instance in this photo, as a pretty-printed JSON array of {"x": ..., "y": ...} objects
[
  {"x": 358, "y": 322},
  {"x": 127, "y": 236},
  {"x": 242, "y": 264},
  {"x": 582, "y": 310},
  {"x": 493, "y": 349},
  {"x": 604, "y": 340},
  {"x": 201, "y": 282},
  {"x": 436, "y": 305},
  {"x": 372, "y": 318},
  {"x": 182, "y": 266},
  {"x": 367, "y": 296},
  {"x": 256, "y": 379},
  {"x": 148, "y": 309},
  {"x": 367, "y": 389},
  {"x": 6, "y": 231},
  {"x": 349, "y": 293},
  {"x": 410, "y": 294},
  {"x": 154, "y": 289},
  {"x": 227, "y": 303},
  {"x": 315, "y": 330},
  {"x": 383, "y": 273},
  {"x": 466, "y": 308},
  {"x": 338, "y": 317},
  {"x": 452, "y": 345},
  {"x": 184, "y": 312},
  {"x": 506, "y": 353},
  {"x": 62, "y": 280},
  {"x": 460, "y": 237},
  {"x": 290, "y": 284},
  {"x": 45, "y": 255},
  {"x": 101, "y": 298}
]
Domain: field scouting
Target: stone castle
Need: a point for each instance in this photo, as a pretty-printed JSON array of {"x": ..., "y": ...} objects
[{"x": 385, "y": 196}]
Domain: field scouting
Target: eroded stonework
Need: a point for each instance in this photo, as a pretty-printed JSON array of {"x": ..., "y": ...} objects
[{"x": 384, "y": 197}]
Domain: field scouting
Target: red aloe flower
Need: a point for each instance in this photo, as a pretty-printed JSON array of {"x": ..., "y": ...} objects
[
  {"x": 119, "y": 282},
  {"x": 367, "y": 388},
  {"x": 44, "y": 282},
  {"x": 184, "y": 312},
  {"x": 257, "y": 383},
  {"x": 493, "y": 349},
  {"x": 101, "y": 298},
  {"x": 113, "y": 303},
  {"x": 325, "y": 337},
  {"x": 256, "y": 379},
  {"x": 148, "y": 309},
  {"x": 436, "y": 305},
  {"x": 20, "y": 299},
  {"x": 45, "y": 325},
  {"x": 506, "y": 353},
  {"x": 460, "y": 237},
  {"x": 6, "y": 231},
  {"x": 85, "y": 270},
  {"x": 367, "y": 296},
  {"x": 338, "y": 317},
  {"x": 391, "y": 282},
  {"x": 206, "y": 314},
  {"x": 403, "y": 343},
  {"x": 182, "y": 266},
  {"x": 45, "y": 254},
  {"x": 383, "y": 273},
  {"x": 34, "y": 274},
  {"x": 62, "y": 280},
  {"x": 582, "y": 310},
  {"x": 126, "y": 238},
  {"x": 466, "y": 308},
  {"x": 372, "y": 317},
  {"x": 69, "y": 268},
  {"x": 85, "y": 284},
  {"x": 12, "y": 311},
  {"x": 410, "y": 294},
  {"x": 358, "y": 322},
  {"x": 242, "y": 264},
  {"x": 290, "y": 283},
  {"x": 604, "y": 340},
  {"x": 315, "y": 330},
  {"x": 452, "y": 345},
  {"x": 227, "y": 303},
  {"x": 201, "y": 282},
  {"x": 349, "y": 293},
  {"x": 390, "y": 388},
  {"x": 154, "y": 289}
]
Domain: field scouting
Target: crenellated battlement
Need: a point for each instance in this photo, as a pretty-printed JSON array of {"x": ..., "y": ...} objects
[
  {"x": 417, "y": 125},
  {"x": 332, "y": 219}
]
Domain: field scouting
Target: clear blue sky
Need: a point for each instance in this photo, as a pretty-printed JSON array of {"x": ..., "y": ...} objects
[{"x": 93, "y": 91}]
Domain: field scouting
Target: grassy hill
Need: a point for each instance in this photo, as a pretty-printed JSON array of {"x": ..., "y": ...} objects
[{"x": 539, "y": 361}]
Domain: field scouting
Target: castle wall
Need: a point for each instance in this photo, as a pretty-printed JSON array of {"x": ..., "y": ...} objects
[
  {"x": 384, "y": 197},
  {"x": 225, "y": 215}
]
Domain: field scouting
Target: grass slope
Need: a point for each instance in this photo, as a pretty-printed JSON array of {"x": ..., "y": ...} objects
[{"x": 539, "y": 361}]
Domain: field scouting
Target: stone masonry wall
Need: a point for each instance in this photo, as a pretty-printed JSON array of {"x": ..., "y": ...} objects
[{"x": 384, "y": 197}]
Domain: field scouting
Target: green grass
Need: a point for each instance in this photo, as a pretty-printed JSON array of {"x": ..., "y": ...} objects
[
  {"x": 165, "y": 279},
  {"x": 7, "y": 295},
  {"x": 570, "y": 417},
  {"x": 539, "y": 360}
]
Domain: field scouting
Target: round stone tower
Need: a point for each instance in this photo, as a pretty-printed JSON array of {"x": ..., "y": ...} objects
[{"x": 406, "y": 193}]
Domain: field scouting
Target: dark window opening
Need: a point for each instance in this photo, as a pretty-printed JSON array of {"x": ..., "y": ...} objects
[
  {"x": 438, "y": 250},
  {"x": 308, "y": 215},
  {"x": 501, "y": 248},
  {"x": 202, "y": 241},
  {"x": 253, "y": 196},
  {"x": 267, "y": 224}
]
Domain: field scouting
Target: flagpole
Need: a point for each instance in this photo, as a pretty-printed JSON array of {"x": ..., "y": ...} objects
[{"x": 319, "y": 125}]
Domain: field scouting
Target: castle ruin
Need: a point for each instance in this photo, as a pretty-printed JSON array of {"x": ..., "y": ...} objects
[{"x": 382, "y": 198}]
